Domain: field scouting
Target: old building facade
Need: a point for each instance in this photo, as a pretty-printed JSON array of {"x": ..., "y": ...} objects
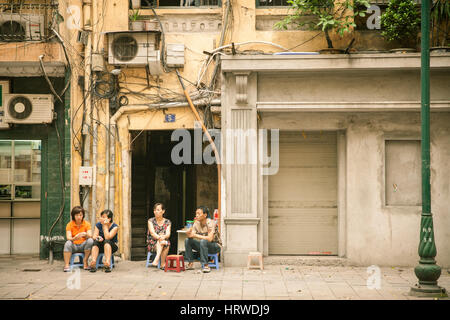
[{"x": 346, "y": 178}]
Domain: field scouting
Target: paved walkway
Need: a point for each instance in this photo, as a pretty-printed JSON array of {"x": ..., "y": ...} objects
[{"x": 31, "y": 278}]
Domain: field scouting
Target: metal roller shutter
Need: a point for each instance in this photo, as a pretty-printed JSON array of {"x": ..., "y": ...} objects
[{"x": 303, "y": 195}]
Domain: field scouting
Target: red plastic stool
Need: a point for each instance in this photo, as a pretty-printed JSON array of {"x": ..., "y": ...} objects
[{"x": 178, "y": 259}]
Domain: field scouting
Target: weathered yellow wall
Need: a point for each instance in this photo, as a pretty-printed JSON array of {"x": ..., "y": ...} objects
[{"x": 114, "y": 17}]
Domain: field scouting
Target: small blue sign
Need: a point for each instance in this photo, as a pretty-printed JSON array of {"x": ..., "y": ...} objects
[{"x": 170, "y": 117}]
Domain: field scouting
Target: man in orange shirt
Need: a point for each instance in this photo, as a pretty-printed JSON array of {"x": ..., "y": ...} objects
[{"x": 79, "y": 238}]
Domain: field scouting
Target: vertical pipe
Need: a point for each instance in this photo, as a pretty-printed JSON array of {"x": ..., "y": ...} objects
[
  {"x": 425, "y": 106},
  {"x": 428, "y": 272}
]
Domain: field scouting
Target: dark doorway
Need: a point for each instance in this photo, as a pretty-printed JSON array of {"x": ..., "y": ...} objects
[{"x": 156, "y": 179}]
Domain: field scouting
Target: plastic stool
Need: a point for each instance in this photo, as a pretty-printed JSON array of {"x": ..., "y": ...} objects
[
  {"x": 100, "y": 261},
  {"x": 80, "y": 264},
  {"x": 178, "y": 259},
  {"x": 149, "y": 255},
  {"x": 260, "y": 260},
  {"x": 215, "y": 257}
]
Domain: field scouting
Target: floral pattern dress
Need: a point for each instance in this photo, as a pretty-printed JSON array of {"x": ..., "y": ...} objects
[{"x": 159, "y": 230}]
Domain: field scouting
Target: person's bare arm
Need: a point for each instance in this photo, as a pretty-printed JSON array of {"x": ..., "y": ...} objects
[
  {"x": 167, "y": 235},
  {"x": 96, "y": 235},
  {"x": 109, "y": 234},
  {"x": 152, "y": 230}
]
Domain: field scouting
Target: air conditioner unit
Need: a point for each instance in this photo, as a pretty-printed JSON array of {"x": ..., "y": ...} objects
[
  {"x": 131, "y": 48},
  {"x": 21, "y": 27},
  {"x": 4, "y": 89},
  {"x": 28, "y": 108}
]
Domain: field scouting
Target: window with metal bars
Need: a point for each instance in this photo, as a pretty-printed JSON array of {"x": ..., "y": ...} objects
[
  {"x": 180, "y": 3},
  {"x": 272, "y": 3},
  {"x": 21, "y": 21}
]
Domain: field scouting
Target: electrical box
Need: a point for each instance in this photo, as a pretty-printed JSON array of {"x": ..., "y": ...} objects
[
  {"x": 154, "y": 63},
  {"x": 98, "y": 62},
  {"x": 175, "y": 55},
  {"x": 85, "y": 176}
]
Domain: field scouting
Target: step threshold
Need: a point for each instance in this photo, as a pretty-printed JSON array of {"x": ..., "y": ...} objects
[{"x": 306, "y": 260}]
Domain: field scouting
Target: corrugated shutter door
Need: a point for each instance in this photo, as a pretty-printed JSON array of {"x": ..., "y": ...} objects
[{"x": 303, "y": 195}]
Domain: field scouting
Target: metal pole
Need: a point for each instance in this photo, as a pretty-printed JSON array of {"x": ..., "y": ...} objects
[{"x": 428, "y": 272}]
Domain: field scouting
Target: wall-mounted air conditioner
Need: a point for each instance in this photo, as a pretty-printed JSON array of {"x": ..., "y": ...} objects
[
  {"x": 4, "y": 89},
  {"x": 21, "y": 27},
  {"x": 29, "y": 108},
  {"x": 131, "y": 48}
]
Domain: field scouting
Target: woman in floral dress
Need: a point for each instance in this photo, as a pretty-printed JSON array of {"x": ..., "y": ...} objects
[{"x": 158, "y": 235}]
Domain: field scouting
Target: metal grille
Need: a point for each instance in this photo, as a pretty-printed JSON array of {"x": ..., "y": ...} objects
[
  {"x": 272, "y": 3},
  {"x": 386, "y": 2},
  {"x": 181, "y": 3},
  {"x": 26, "y": 21}
]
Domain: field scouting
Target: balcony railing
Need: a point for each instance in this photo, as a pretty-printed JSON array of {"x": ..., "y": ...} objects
[
  {"x": 180, "y": 3},
  {"x": 281, "y": 3},
  {"x": 26, "y": 21},
  {"x": 272, "y": 3}
]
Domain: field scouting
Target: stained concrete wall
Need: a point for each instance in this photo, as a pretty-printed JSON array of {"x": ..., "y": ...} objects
[{"x": 376, "y": 233}]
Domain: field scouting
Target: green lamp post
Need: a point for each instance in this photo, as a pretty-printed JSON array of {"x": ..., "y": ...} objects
[{"x": 428, "y": 272}]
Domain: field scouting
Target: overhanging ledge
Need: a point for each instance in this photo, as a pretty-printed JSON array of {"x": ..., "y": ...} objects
[
  {"x": 31, "y": 69},
  {"x": 241, "y": 221},
  {"x": 328, "y": 62}
]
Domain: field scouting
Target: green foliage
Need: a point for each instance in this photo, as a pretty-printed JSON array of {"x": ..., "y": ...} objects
[
  {"x": 401, "y": 21},
  {"x": 440, "y": 18},
  {"x": 135, "y": 16},
  {"x": 325, "y": 15}
]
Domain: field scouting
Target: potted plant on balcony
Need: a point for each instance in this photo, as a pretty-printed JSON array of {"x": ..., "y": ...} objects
[
  {"x": 135, "y": 4},
  {"x": 327, "y": 15},
  {"x": 401, "y": 23},
  {"x": 440, "y": 19},
  {"x": 135, "y": 21}
]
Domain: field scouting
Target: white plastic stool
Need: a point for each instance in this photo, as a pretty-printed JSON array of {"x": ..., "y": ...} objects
[{"x": 260, "y": 260}]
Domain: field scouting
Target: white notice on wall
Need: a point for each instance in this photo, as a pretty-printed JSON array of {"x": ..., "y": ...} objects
[{"x": 85, "y": 177}]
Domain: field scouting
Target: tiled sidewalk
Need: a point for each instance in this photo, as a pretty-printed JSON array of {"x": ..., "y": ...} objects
[{"x": 131, "y": 280}]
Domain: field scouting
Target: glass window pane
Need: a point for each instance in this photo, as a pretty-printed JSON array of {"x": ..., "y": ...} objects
[
  {"x": 36, "y": 161},
  {"x": 5, "y": 192},
  {"x": 28, "y": 192},
  {"x": 5, "y": 234},
  {"x": 25, "y": 236},
  {"x": 5, "y": 209},
  {"x": 22, "y": 161},
  {"x": 5, "y": 161},
  {"x": 26, "y": 209}
]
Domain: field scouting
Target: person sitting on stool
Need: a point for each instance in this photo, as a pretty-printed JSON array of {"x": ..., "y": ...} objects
[
  {"x": 105, "y": 240},
  {"x": 203, "y": 237}
]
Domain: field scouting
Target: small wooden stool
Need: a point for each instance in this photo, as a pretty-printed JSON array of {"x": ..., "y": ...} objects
[
  {"x": 260, "y": 260},
  {"x": 178, "y": 259}
]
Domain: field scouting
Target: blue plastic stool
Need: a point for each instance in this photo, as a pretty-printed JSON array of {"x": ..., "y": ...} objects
[
  {"x": 215, "y": 257},
  {"x": 100, "y": 261},
  {"x": 72, "y": 263},
  {"x": 149, "y": 255}
]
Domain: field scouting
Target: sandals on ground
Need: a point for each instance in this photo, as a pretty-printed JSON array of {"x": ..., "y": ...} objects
[{"x": 66, "y": 269}]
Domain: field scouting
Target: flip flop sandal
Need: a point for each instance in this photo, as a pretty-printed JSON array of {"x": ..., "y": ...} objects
[
  {"x": 67, "y": 269},
  {"x": 87, "y": 268},
  {"x": 190, "y": 268},
  {"x": 206, "y": 270},
  {"x": 108, "y": 269},
  {"x": 93, "y": 269}
]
